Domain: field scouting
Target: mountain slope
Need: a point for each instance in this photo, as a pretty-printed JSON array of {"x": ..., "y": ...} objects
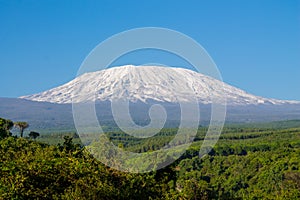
[
  {"x": 45, "y": 117},
  {"x": 146, "y": 83}
]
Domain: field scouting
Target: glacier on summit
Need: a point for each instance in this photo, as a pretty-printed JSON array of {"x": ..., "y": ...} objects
[{"x": 147, "y": 83}]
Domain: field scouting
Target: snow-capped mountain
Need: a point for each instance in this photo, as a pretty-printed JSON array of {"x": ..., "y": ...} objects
[{"x": 144, "y": 83}]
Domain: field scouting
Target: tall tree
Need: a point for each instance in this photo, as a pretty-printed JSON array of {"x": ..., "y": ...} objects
[{"x": 21, "y": 126}]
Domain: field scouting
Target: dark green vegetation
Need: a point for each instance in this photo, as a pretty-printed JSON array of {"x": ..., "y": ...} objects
[
  {"x": 247, "y": 163},
  {"x": 5, "y": 126}
]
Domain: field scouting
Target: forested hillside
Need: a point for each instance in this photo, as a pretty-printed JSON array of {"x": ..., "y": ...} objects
[{"x": 246, "y": 163}]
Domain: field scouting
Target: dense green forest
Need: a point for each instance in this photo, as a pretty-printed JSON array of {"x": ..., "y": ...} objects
[{"x": 248, "y": 162}]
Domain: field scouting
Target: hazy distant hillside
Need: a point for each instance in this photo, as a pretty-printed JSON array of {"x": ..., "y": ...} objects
[
  {"x": 44, "y": 115},
  {"x": 39, "y": 115}
]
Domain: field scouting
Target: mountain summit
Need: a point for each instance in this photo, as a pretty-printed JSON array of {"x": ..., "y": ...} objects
[{"x": 146, "y": 83}]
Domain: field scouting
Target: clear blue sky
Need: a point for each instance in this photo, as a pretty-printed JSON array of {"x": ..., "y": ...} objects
[{"x": 255, "y": 44}]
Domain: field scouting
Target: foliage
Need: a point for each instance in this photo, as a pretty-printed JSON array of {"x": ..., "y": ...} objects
[
  {"x": 5, "y": 126},
  {"x": 33, "y": 134},
  {"x": 21, "y": 126},
  {"x": 248, "y": 164}
]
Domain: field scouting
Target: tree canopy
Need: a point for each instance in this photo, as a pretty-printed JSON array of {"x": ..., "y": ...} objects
[
  {"x": 5, "y": 126},
  {"x": 33, "y": 134},
  {"x": 249, "y": 164},
  {"x": 21, "y": 126}
]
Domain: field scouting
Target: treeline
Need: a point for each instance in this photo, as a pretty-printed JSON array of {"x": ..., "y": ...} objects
[{"x": 6, "y": 125}]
